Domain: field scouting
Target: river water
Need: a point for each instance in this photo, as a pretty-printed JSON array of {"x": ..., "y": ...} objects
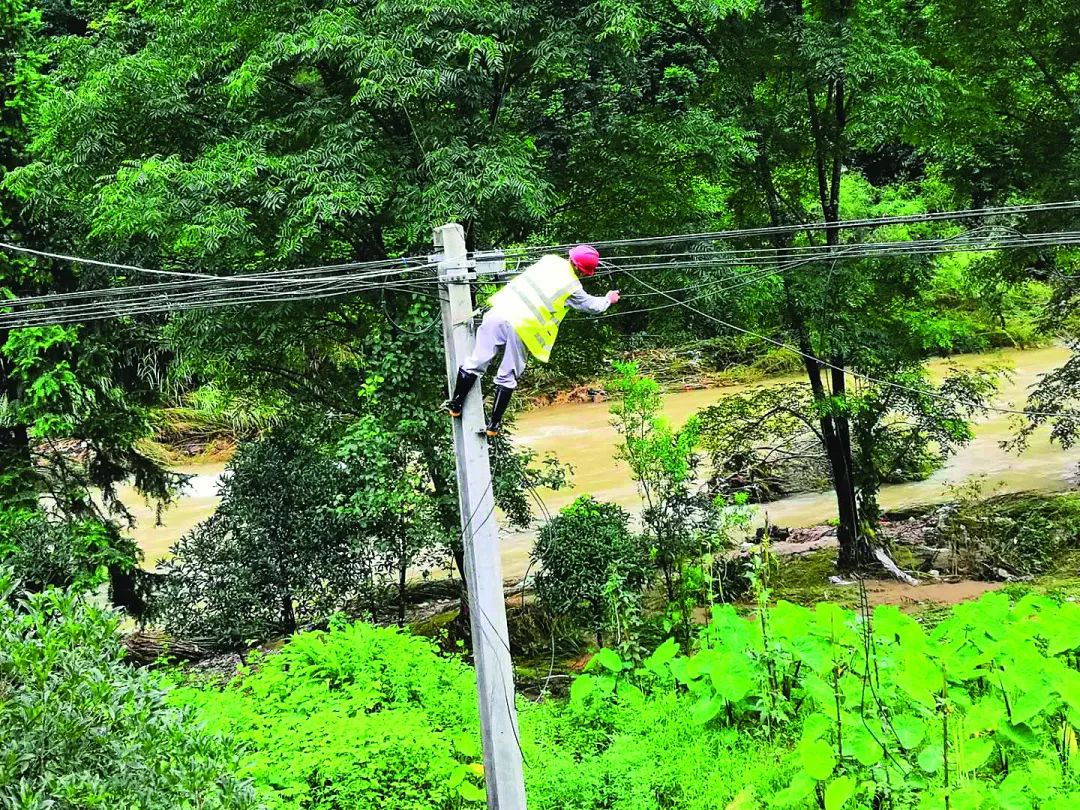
[{"x": 581, "y": 436}]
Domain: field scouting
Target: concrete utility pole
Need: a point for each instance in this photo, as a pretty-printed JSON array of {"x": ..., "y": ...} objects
[{"x": 483, "y": 566}]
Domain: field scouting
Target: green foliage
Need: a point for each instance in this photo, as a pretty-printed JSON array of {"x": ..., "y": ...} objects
[
  {"x": 277, "y": 554},
  {"x": 1018, "y": 534},
  {"x": 1011, "y": 93},
  {"x": 983, "y": 707},
  {"x": 389, "y": 498},
  {"x": 588, "y": 557},
  {"x": 764, "y": 443},
  {"x": 912, "y": 424},
  {"x": 354, "y": 717},
  {"x": 42, "y": 551},
  {"x": 83, "y": 730},
  {"x": 768, "y": 442},
  {"x": 682, "y": 523},
  {"x": 367, "y": 717},
  {"x": 806, "y": 708}
]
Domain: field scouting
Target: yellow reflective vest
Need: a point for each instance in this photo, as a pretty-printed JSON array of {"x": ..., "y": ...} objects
[{"x": 534, "y": 303}]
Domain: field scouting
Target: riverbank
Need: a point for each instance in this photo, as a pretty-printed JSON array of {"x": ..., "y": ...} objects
[{"x": 580, "y": 435}]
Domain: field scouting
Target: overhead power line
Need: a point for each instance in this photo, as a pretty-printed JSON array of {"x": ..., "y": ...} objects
[
  {"x": 406, "y": 274},
  {"x": 152, "y": 301},
  {"x": 247, "y": 280},
  {"x": 933, "y": 216},
  {"x": 825, "y": 364},
  {"x": 97, "y": 262},
  {"x": 44, "y": 254}
]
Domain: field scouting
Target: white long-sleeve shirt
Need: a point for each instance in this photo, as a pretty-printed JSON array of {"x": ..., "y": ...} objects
[{"x": 583, "y": 302}]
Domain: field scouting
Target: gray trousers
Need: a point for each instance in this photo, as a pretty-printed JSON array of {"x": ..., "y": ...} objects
[{"x": 496, "y": 333}]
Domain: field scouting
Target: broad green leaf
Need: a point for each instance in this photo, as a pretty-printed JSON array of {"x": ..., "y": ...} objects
[
  {"x": 838, "y": 792},
  {"x": 932, "y": 758},
  {"x": 910, "y": 730},
  {"x": 1020, "y": 735},
  {"x": 467, "y": 745},
  {"x": 971, "y": 796},
  {"x": 471, "y": 793},
  {"x": 977, "y": 752},
  {"x": 920, "y": 678},
  {"x": 1012, "y": 799},
  {"x": 1032, "y": 704},
  {"x": 1043, "y": 778},
  {"x": 581, "y": 688},
  {"x": 815, "y": 726},
  {"x": 892, "y": 625},
  {"x": 818, "y": 759},
  {"x": 985, "y": 716},
  {"x": 732, "y": 677},
  {"x": 861, "y": 744},
  {"x": 609, "y": 660},
  {"x": 801, "y": 786},
  {"x": 706, "y": 709},
  {"x": 658, "y": 661},
  {"x": 1067, "y": 684},
  {"x": 820, "y": 692},
  {"x": 1065, "y": 635}
]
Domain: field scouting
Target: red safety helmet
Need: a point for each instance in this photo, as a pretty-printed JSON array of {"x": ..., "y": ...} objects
[{"x": 585, "y": 258}]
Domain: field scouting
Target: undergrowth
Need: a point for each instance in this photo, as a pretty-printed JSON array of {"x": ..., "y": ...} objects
[{"x": 789, "y": 707}]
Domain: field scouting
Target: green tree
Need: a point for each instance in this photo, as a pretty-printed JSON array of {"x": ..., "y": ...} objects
[
  {"x": 83, "y": 729},
  {"x": 45, "y": 552},
  {"x": 1012, "y": 96},
  {"x": 390, "y": 498},
  {"x": 73, "y": 400},
  {"x": 277, "y": 554},
  {"x": 684, "y": 526},
  {"x": 581, "y": 551},
  {"x": 911, "y": 427},
  {"x": 766, "y": 441}
]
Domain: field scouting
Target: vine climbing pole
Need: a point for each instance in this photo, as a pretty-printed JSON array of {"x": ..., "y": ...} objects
[{"x": 479, "y": 532}]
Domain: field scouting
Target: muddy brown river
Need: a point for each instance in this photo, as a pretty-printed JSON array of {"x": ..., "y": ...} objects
[{"x": 581, "y": 435}]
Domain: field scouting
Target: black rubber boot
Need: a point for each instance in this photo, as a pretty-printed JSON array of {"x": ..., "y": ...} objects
[
  {"x": 498, "y": 408},
  {"x": 464, "y": 384}
]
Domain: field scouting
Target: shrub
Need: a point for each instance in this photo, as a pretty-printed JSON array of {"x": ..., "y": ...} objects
[
  {"x": 587, "y": 546},
  {"x": 79, "y": 729},
  {"x": 277, "y": 554},
  {"x": 365, "y": 717},
  {"x": 1022, "y": 534},
  {"x": 355, "y": 717},
  {"x": 43, "y": 552}
]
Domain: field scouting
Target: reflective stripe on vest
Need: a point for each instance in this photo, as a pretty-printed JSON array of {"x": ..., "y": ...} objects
[{"x": 534, "y": 303}]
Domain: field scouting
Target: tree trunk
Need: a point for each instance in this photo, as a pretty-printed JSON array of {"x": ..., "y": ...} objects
[
  {"x": 837, "y": 443},
  {"x": 855, "y": 549},
  {"x": 402, "y": 565}
]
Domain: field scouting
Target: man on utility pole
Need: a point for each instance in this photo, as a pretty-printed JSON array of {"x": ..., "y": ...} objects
[
  {"x": 503, "y": 773},
  {"x": 525, "y": 314}
]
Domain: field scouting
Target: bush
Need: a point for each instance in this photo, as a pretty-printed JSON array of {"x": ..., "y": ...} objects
[
  {"x": 277, "y": 554},
  {"x": 774, "y": 711},
  {"x": 352, "y": 718},
  {"x": 44, "y": 552},
  {"x": 365, "y": 717},
  {"x": 581, "y": 551},
  {"x": 79, "y": 729},
  {"x": 886, "y": 714}
]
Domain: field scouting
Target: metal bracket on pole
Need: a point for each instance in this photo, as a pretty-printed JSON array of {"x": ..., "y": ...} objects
[
  {"x": 503, "y": 773},
  {"x": 490, "y": 263}
]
